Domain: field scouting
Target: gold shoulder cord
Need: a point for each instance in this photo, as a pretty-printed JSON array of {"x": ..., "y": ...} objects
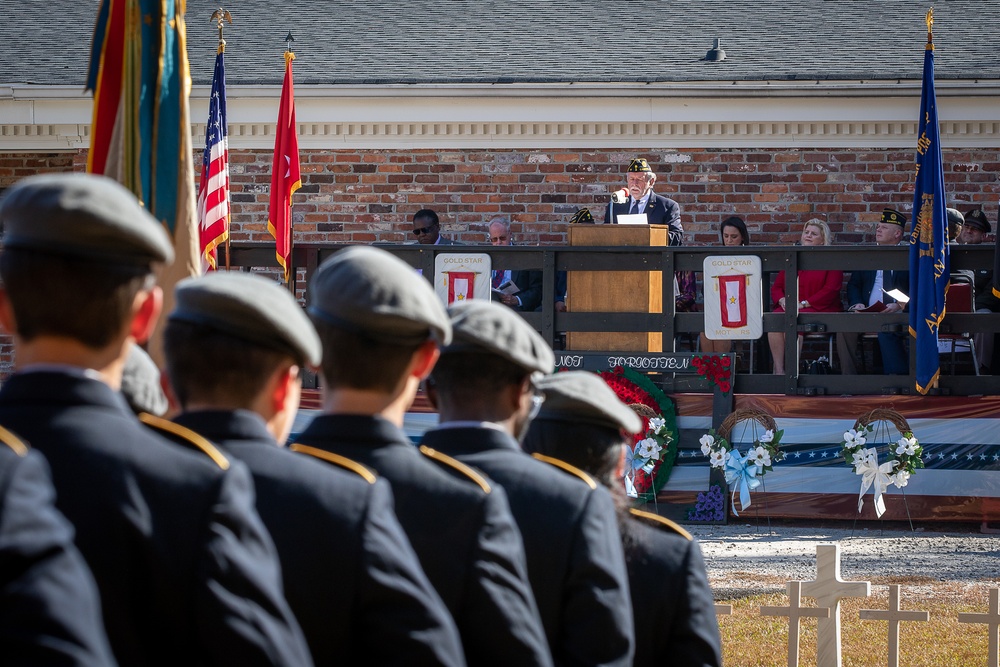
[
  {"x": 457, "y": 465},
  {"x": 337, "y": 460},
  {"x": 198, "y": 441},
  {"x": 571, "y": 469}
]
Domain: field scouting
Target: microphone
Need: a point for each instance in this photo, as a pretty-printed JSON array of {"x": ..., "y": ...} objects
[{"x": 620, "y": 196}]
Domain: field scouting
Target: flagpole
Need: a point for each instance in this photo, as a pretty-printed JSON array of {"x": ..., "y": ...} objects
[{"x": 221, "y": 15}]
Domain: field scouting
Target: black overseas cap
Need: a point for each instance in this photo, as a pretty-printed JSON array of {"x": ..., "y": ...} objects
[
  {"x": 373, "y": 293},
  {"x": 579, "y": 396},
  {"x": 250, "y": 308},
  {"x": 82, "y": 216},
  {"x": 483, "y": 326}
]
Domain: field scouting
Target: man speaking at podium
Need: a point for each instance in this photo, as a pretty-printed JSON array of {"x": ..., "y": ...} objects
[{"x": 641, "y": 200}]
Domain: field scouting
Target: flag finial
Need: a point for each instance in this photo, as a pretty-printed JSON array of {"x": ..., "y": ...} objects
[
  {"x": 288, "y": 42},
  {"x": 929, "y": 18},
  {"x": 220, "y": 16}
]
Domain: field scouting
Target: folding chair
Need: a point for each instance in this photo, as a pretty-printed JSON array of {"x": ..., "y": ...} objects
[{"x": 960, "y": 299}]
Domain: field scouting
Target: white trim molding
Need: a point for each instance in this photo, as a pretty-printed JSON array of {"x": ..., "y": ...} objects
[{"x": 741, "y": 115}]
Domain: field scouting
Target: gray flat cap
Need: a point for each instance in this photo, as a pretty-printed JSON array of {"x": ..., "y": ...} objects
[
  {"x": 489, "y": 327},
  {"x": 251, "y": 308},
  {"x": 579, "y": 396},
  {"x": 83, "y": 216},
  {"x": 371, "y": 292},
  {"x": 141, "y": 383}
]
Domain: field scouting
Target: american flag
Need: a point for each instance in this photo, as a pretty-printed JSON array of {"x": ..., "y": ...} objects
[{"x": 213, "y": 193}]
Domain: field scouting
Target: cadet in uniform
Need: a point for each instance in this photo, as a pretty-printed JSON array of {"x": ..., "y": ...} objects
[
  {"x": 484, "y": 390},
  {"x": 380, "y": 324},
  {"x": 581, "y": 423},
  {"x": 49, "y": 610},
  {"x": 235, "y": 346},
  {"x": 186, "y": 571}
]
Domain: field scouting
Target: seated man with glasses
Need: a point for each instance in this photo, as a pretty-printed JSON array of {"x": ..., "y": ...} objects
[{"x": 427, "y": 229}]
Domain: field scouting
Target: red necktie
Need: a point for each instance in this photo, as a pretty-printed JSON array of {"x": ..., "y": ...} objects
[{"x": 497, "y": 279}]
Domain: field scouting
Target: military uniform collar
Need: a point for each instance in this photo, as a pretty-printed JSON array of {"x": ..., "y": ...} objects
[
  {"x": 364, "y": 430},
  {"x": 227, "y": 425},
  {"x": 458, "y": 440}
]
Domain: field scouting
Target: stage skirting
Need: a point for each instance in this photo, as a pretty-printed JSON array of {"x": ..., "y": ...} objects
[{"x": 960, "y": 436}]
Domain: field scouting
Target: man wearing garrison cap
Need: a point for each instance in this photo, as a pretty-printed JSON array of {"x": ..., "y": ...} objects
[
  {"x": 583, "y": 423},
  {"x": 867, "y": 289},
  {"x": 186, "y": 571},
  {"x": 977, "y": 227},
  {"x": 236, "y": 345},
  {"x": 485, "y": 389},
  {"x": 380, "y": 325},
  {"x": 659, "y": 210}
]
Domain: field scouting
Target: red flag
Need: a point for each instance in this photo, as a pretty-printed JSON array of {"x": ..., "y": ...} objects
[
  {"x": 285, "y": 177},
  {"x": 461, "y": 286},
  {"x": 733, "y": 294}
]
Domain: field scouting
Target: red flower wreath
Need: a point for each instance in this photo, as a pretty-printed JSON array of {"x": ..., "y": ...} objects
[
  {"x": 633, "y": 387},
  {"x": 716, "y": 370}
]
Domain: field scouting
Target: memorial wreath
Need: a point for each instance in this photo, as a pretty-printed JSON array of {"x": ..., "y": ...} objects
[
  {"x": 744, "y": 472},
  {"x": 905, "y": 455}
]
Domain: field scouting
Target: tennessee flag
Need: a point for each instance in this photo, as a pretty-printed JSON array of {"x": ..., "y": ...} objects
[
  {"x": 213, "y": 193},
  {"x": 930, "y": 261},
  {"x": 285, "y": 176}
]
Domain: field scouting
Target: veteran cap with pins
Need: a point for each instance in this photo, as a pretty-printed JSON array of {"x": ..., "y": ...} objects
[
  {"x": 484, "y": 327},
  {"x": 639, "y": 164},
  {"x": 373, "y": 293},
  {"x": 582, "y": 216},
  {"x": 82, "y": 216},
  {"x": 250, "y": 308},
  {"x": 891, "y": 216},
  {"x": 580, "y": 396}
]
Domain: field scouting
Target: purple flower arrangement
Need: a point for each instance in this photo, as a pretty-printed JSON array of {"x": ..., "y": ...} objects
[{"x": 709, "y": 506}]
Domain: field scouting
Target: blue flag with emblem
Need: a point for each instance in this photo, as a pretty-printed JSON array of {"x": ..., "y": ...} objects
[{"x": 930, "y": 262}]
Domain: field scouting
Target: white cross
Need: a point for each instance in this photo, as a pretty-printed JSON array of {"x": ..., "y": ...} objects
[
  {"x": 894, "y": 615},
  {"x": 829, "y": 589},
  {"x": 992, "y": 619},
  {"x": 794, "y": 611}
]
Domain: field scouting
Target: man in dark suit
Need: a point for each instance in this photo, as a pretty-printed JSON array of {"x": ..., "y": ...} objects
[
  {"x": 866, "y": 289},
  {"x": 641, "y": 199},
  {"x": 427, "y": 229},
  {"x": 581, "y": 423},
  {"x": 50, "y": 611},
  {"x": 235, "y": 346},
  {"x": 380, "y": 328},
  {"x": 974, "y": 231},
  {"x": 186, "y": 571},
  {"x": 529, "y": 283},
  {"x": 484, "y": 389}
]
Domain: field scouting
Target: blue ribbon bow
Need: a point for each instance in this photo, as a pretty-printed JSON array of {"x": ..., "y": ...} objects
[{"x": 741, "y": 476}]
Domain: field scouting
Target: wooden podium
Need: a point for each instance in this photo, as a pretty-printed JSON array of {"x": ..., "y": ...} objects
[{"x": 615, "y": 291}]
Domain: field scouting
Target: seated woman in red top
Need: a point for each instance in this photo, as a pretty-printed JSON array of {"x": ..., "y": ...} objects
[{"x": 819, "y": 291}]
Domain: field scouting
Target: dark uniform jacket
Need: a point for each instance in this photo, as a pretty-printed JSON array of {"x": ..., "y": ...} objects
[
  {"x": 861, "y": 283},
  {"x": 659, "y": 211},
  {"x": 575, "y": 560},
  {"x": 674, "y": 610},
  {"x": 186, "y": 571},
  {"x": 530, "y": 285},
  {"x": 350, "y": 574},
  {"x": 462, "y": 530},
  {"x": 49, "y": 610}
]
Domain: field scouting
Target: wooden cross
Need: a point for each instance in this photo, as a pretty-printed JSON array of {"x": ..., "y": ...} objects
[
  {"x": 794, "y": 611},
  {"x": 829, "y": 589},
  {"x": 992, "y": 619},
  {"x": 894, "y": 615}
]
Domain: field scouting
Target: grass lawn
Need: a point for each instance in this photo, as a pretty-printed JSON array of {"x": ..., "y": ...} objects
[{"x": 752, "y": 640}]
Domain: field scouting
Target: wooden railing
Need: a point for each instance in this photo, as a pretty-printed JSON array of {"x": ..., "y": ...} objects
[{"x": 550, "y": 259}]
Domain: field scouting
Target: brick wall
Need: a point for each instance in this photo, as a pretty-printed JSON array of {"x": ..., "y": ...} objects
[
  {"x": 365, "y": 196},
  {"x": 353, "y": 196}
]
